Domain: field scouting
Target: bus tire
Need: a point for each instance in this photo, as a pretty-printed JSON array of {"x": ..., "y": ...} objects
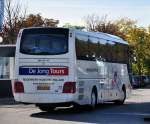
[
  {"x": 93, "y": 101},
  {"x": 46, "y": 108},
  {"x": 121, "y": 101}
]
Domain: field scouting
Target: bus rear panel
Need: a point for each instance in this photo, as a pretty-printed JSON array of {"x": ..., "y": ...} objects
[{"x": 44, "y": 65}]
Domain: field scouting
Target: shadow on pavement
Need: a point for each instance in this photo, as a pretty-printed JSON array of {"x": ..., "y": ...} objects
[{"x": 104, "y": 113}]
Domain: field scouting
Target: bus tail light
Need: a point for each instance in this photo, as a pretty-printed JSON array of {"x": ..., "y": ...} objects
[
  {"x": 69, "y": 87},
  {"x": 18, "y": 87}
]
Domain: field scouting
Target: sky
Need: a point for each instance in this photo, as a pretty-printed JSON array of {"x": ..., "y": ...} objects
[{"x": 74, "y": 11}]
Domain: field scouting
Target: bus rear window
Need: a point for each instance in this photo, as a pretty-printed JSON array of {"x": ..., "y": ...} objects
[{"x": 44, "y": 42}]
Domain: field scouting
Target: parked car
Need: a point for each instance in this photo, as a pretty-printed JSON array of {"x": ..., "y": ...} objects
[
  {"x": 145, "y": 79},
  {"x": 135, "y": 81},
  {"x": 149, "y": 79}
]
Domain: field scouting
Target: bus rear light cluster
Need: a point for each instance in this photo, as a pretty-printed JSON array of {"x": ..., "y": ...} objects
[
  {"x": 69, "y": 87},
  {"x": 18, "y": 87}
]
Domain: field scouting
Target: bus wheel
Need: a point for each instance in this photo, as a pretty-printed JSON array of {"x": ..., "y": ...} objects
[
  {"x": 93, "y": 99},
  {"x": 46, "y": 108},
  {"x": 122, "y": 100}
]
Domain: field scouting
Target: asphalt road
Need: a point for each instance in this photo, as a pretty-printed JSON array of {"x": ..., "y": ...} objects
[{"x": 133, "y": 111}]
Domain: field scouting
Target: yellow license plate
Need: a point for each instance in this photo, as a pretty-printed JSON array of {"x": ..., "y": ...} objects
[{"x": 43, "y": 87}]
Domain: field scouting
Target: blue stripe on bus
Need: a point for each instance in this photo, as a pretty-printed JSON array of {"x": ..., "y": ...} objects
[
  {"x": 34, "y": 71},
  {"x": 43, "y": 71}
]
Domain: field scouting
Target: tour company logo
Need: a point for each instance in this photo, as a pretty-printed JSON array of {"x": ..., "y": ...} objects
[{"x": 43, "y": 71}]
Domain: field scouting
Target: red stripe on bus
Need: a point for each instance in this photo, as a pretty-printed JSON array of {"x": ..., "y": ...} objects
[{"x": 58, "y": 71}]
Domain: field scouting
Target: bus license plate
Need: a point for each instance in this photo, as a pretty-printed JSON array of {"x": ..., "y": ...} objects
[{"x": 43, "y": 87}]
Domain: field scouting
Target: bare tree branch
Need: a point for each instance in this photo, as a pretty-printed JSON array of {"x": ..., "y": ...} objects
[{"x": 13, "y": 14}]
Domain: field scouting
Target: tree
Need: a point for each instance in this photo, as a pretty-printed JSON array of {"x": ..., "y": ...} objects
[
  {"x": 102, "y": 24},
  {"x": 13, "y": 15},
  {"x": 50, "y": 22},
  {"x": 91, "y": 22},
  {"x": 34, "y": 21},
  {"x": 118, "y": 27},
  {"x": 138, "y": 38},
  {"x": 38, "y": 21},
  {"x": 68, "y": 25},
  {"x": 16, "y": 18},
  {"x": 124, "y": 25}
]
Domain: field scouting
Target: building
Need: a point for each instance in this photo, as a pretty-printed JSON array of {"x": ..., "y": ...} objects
[
  {"x": 7, "y": 62},
  {"x": 1, "y": 14}
]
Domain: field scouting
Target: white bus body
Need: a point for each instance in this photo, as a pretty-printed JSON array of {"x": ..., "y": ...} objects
[{"x": 48, "y": 75}]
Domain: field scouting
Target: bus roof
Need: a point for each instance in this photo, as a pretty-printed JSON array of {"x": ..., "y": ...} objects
[
  {"x": 100, "y": 35},
  {"x": 104, "y": 36}
]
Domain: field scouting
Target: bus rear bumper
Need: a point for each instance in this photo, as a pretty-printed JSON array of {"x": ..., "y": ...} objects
[{"x": 44, "y": 98}]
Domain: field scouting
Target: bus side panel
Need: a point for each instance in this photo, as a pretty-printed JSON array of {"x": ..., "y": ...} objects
[
  {"x": 107, "y": 77},
  {"x": 120, "y": 77},
  {"x": 90, "y": 74}
]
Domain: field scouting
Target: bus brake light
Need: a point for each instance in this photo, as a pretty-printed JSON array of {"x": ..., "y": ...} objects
[
  {"x": 69, "y": 87},
  {"x": 18, "y": 87}
]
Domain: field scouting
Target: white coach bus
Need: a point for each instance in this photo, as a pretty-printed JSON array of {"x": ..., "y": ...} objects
[{"x": 59, "y": 66}]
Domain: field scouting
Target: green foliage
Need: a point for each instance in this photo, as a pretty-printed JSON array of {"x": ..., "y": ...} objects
[
  {"x": 16, "y": 18},
  {"x": 68, "y": 25},
  {"x": 38, "y": 21},
  {"x": 10, "y": 32},
  {"x": 137, "y": 37}
]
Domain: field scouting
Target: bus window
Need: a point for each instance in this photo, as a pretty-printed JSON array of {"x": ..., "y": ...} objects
[
  {"x": 82, "y": 51},
  {"x": 93, "y": 47},
  {"x": 44, "y": 44},
  {"x": 102, "y": 49}
]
